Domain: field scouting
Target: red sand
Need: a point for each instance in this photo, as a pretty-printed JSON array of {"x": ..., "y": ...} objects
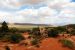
[
  {"x": 46, "y": 44},
  {"x": 51, "y": 44}
]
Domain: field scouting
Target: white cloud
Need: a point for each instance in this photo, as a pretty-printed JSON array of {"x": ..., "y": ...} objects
[
  {"x": 28, "y": 12},
  {"x": 11, "y": 18},
  {"x": 46, "y": 11},
  {"x": 57, "y": 12}
]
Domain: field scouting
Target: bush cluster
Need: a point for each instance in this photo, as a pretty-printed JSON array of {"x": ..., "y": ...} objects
[
  {"x": 67, "y": 43},
  {"x": 16, "y": 38}
]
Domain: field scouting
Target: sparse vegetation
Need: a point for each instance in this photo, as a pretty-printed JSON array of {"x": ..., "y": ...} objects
[
  {"x": 52, "y": 33},
  {"x": 14, "y": 35},
  {"x": 34, "y": 42},
  {"x": 16, "y": 38},
  {"x": 13, "y": 30},
  {"x": 36, "y": 33},
  {"x": 60, "y": 29},
  {"x": 67, "y": 43}
]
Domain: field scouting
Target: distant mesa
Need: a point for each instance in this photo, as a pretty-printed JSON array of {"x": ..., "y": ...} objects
[
  {"x": 32, "y": 24},
  {"x": 28, "y": 24}
]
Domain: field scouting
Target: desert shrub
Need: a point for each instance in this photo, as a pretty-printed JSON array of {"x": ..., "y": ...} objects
[
  {"x": 1, "y": 35},
  {"x": 34, "y": 42},
  {"x": 29, "y": 37},
  {"x": 25, "y": 44},
  {"x": 52, "y": 33},
  {"x": 16, "y": 38},
  {"x": 35, "y": 29},
  {"x": 37, "y": 46},
  {"x": 36, "y": 32},
  {"x": 13, "y": 30},
  {"x": 7, "y": 48},
  {"x": 72, "y": 32},
  {"x": 27, "y": 30},
  {"x": 6, "y": 38},
  {"x": 60, "y": 29},
  {"x": 67, "y": 43}
]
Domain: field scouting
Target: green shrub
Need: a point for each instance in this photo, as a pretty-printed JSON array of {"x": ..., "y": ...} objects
[
  {"x": 13, "y": 30},
  {"x": 67, "y": 43},
  {"x": 60, "y": 29},
  {"x": 34, "y": 42},
  {"x": 52, "y": 33},
  {"x": 36, "y": 33},
  {"x": 6, "y": 38},
  {"x": 16, "y": 38},
  {"x": 4, "y": 27}
]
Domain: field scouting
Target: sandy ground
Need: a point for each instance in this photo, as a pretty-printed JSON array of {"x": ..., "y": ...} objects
[
  {"x": 51, "y": 44},
  {"x": 46, "y": 44}
]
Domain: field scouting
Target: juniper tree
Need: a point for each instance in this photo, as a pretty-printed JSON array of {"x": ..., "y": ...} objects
[{"x": 4, "y": 27}]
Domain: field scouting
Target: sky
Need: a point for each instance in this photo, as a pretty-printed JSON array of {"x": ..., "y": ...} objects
[{"x": 54, "y": 12}]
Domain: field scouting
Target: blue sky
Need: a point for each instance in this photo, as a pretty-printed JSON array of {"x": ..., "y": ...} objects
[
  {"x": 73, "y": 0},
  {"x": 55, "y": 12}
]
